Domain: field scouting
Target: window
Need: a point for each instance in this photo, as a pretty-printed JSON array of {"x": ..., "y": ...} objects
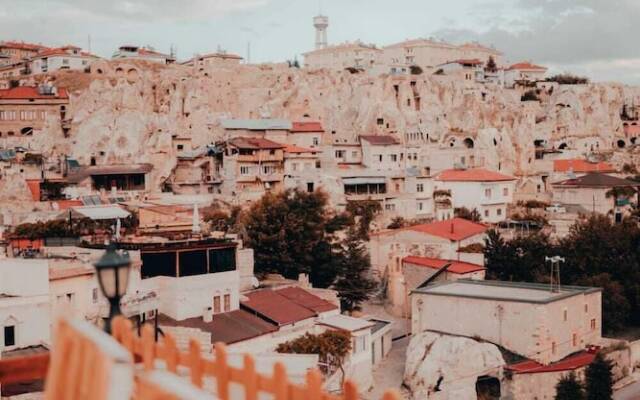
[
  {"x": 379, "y": 157},
  {"x": 339, "y": 153},
  {"x": 574, "y": 339},
  {"x": 565, "y": 315},
  {"x": 272, "y": 152},
  {"x": 420, "y": 206},
  {"x": 499, "y": 211},
  {"x": 318, "y": 164},
  {"x": 310, "y": 187},
  {"x": 393, "y": 157},
  {"x": 216, "y": 304},
  {"x": 354, "y": 154},
  {"x": 244, "y": 170},
  {"x": 487, "y": 193},
  {"x": 180, "y": 147},
  {"x": 294, "y": 166},
  {"x": 593, "y": 324},
  {"x": 359, "y": 344},
  {"x": 65, "y": 61},
  {"x": 420, "y": 188},
  {"x": 227, "y": 302},
  {"x": 316, "y": 141},
  {"x": 390, "y": 207},
  {"x": 553, "y": 347},
  {"x": 505, "y": 191},
  {"x": 9, "y": 335},
  {"x": 486, "y": 213}
]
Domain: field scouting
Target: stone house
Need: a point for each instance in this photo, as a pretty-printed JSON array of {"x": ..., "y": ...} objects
[
  {"x": 593, "y": 193},
  {"x": 471, "y": 70},
  {"x": 26, "y": 111},
  {"x": 252, "y": 166},
  {"x": 356, "y": 56},
  {"x": 441, "y": 239},
  {"x": 62, "y": 58},
  {"x": 414, "y": 271},
  {"x": 523, "y": 72},
  {"x": 487, "y": 191},
  {"x": 528, "y": 319}
]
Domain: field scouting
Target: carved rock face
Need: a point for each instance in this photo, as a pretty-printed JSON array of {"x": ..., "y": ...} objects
[{"x": 445, "y": 367}]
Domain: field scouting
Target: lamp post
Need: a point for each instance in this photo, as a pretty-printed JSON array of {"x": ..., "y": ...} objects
[{"x": 112, "y": 270}]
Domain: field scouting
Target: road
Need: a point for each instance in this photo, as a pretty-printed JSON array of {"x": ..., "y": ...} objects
[{"x": 630, "y": 392}]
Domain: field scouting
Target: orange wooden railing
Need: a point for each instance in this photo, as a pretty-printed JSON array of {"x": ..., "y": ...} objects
[{"x": 145, "y": 349}]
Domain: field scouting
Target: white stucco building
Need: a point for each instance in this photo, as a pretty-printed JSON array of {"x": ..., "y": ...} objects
[
  {"x": 63, "y": 58},
  {"x": 25, "y": 316},
  {"x": 526, "y": 318},
  {"x": 523, "y": 72},
  {"x": 142, "y": 53},
  {"x": 356, "y": 56},
  {"x": 488, "y": 192}
]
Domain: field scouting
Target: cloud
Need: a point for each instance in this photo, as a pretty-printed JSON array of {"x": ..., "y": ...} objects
[
  {"x": 589, "y": 34},
  {"x": 159, "y": 10}
]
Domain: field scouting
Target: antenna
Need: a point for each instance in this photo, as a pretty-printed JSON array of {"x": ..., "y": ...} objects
[
  {"x": 248, "y": 52},
  {"x": 555, "y": 272},
  {"x": 89, "y": 43}
]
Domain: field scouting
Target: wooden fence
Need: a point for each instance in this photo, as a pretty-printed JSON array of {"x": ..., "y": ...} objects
[{"x": 145, "y": 349}]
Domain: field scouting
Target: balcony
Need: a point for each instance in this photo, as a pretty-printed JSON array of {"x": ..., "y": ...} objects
[{"x": 86, "y": 363}]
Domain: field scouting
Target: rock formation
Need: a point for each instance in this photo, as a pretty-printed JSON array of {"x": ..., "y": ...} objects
[{"x": 445, "y": 367}]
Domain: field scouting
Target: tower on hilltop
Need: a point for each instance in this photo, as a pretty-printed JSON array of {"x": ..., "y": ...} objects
[{"x": 321, "y": 22}]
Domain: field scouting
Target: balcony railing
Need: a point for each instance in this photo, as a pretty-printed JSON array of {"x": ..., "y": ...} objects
[{"x": 86, "y": 363}]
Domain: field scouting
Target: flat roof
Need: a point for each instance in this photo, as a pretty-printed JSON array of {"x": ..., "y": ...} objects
[{"x": 523, "y": 292}]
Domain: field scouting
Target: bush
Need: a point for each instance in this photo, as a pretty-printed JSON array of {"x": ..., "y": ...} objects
[
  {"x": 530, "y": 95},
  {"x": 568, "y": 79}
]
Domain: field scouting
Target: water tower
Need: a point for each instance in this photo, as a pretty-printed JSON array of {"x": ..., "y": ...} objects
[{"x": 320, "y": 22}]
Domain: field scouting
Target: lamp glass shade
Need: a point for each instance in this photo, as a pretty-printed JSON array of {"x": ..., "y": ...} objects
[{"x": 113, "y": 273}]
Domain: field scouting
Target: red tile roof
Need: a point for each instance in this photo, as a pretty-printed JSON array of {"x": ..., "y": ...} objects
[
  {"x": 579, "y": 166},
  {"x": 473, "y": 61},
  {"x": 457, "y": 267},
  {"x": 452, "y": 229},
  {"x": 382, "y": 140},
  {"x": 255, "y": 143},
  {"x": 306, "y": 299},
  {"x": 285, "y": 306},
  {"x": 569, "y": 363},
  {"x": 304, "y": 127},
  {"x": 291, "y": 148},
  {"x": 63, "y": 51},
  {"x": 525, "y": 65},
  {"x": 275, "y": 307},
  {"x": 473, "y": 175},
  {"x": 230, "y": 327},
  {"x": 30, "y": 92},
  {"x": 22, "y": 46}
]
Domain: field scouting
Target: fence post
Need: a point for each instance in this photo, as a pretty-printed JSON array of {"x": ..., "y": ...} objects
[
  {"x": 170, "y": 353},
  {"x": 148, "y": 347},
  {"x": 195, "y": 362},
  {"x": 250, "y": 378},
  {"x": 280, "y": 381},
  {"x": 391, "y": 394},
  {"x": 350, "y": 390},
  {"x": 314, "y": 385},
  {"x": 222, "y": 371}
]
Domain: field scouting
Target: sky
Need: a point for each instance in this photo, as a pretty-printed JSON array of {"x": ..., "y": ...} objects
[{"x": 596, "y": 38}]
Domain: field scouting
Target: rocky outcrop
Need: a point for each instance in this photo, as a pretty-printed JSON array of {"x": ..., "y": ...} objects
[{"x": 445, "y": 367}]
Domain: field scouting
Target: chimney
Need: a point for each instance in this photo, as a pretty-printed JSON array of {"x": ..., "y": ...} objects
[{"x": 207, "y": 315}]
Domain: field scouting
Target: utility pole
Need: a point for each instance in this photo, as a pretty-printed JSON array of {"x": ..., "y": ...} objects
[{"x": 555, "y": 272}]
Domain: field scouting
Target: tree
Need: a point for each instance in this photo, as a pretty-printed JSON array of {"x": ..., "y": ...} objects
[
  {"x": 396, "y": 223},
  {"x": 464, "y": 212},
  {"x": 599, "y": 379},
  {"x": 568, "y": 79},
  {"x": 530, "y": 95},
  {"x": 332, "y": 347},
  {"x": 491, "y": 65},
  {"x": 353, "y": 284},
  {"x": 364, "y": 211},
  {"x": 520, "y": 259},
  {"x": 569, "y": 388},
  {"x": 286, "y": 229}
]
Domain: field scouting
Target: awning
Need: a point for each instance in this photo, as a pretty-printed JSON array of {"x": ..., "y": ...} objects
[{"x": 372, "y": 180}]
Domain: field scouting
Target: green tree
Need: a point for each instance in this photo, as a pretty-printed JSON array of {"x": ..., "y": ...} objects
[
  {"x": 332, "y": 347},
  {"x": 353, "y": 284},
  {"x": 397, "y": 222},
  {"x": 364, "y": 211},
  {"x": 491, "y": 65},
  {"x": 464, "y": 212},
  {"x": 521, "y": 259},
  {"x": 599, "y": 379},
  {"x": 569, "y": 388},
  {"x": 286, "y": 229}
]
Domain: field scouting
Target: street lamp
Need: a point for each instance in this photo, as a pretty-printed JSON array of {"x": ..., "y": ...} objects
[{"x": 112, "y": 270}]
